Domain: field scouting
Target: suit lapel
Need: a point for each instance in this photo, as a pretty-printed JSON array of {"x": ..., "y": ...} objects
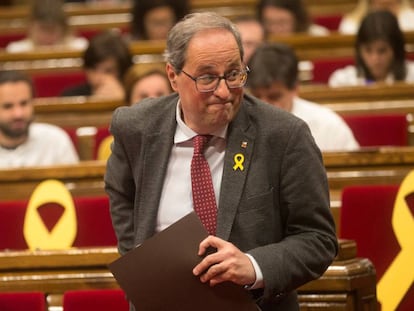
[
  {"x": 157, "y": 151},
  {"x": 240, "y": 143}
]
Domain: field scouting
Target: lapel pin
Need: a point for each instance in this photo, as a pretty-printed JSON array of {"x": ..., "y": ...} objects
[
  {"x": 244, "y": 144},
  {"x": 238, "y": 162}
]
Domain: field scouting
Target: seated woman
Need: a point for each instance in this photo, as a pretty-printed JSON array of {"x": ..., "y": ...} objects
[
  {"x": 380, "y": 54},
  {"x": 402, "y": 9},
  {"x": 285, "y": 17},
  {"x": 105, "y": 61},
  {"x": 152, "y": 19},
  {"x": 47, "y": 28},
  {"x": 146, "y": 80}
]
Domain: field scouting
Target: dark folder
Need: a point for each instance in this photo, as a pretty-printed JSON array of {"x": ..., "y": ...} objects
[{"x": 157, "y": 275}]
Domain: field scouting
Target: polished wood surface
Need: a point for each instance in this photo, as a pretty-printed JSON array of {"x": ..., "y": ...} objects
[{"x": 348, "y": 284}]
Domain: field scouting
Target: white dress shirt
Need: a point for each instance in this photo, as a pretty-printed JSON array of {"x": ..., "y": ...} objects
[{"x": 176, "y": 198}]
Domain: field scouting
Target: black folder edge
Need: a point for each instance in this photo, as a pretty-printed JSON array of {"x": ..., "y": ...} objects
[{"x": 157, "y": 275}]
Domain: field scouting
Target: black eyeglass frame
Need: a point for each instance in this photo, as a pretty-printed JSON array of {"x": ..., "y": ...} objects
[{"x": 244, "y": 71}]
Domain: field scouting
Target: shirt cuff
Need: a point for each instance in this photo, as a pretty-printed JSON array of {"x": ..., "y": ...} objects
[{"x": 259, "y": 283}]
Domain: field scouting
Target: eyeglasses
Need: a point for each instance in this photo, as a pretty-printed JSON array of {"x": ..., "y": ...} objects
[{"x": 209, "y": 83}]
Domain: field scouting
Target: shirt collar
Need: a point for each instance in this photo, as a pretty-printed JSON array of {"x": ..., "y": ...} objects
[{"x": 184, "y": 133}]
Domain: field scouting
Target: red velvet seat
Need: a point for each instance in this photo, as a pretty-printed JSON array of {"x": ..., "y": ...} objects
[
  {"x": 51, "y": 84},
  {"x": 324, "y": 67},
  {"x": 95, "y": 300},
  {"x": 22, "y": 301},
  {"x": 93, "y": 219},
  {"x": 6, "y": 38},
  {"x": 330, "y": 22},
  {"x": 101, "y": 134},
  {"x": 379, "y": 130},
  {"x": 366, "y": 217}
]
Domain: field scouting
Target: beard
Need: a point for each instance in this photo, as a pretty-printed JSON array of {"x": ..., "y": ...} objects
[{"x": 15, "y": 133}]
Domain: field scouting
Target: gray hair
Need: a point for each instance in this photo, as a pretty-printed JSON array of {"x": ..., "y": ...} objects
[{"x": 181, "y": 34}]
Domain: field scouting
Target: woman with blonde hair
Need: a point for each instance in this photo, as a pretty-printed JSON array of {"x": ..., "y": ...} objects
[{"x": 402, "y": 9}]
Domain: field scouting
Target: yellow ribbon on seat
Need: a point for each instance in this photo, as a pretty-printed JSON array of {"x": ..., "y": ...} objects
[
  {"x": 399, "y": 276},
  {"x": 64, "y": 232},
  {"x": 104, "y": 149}
]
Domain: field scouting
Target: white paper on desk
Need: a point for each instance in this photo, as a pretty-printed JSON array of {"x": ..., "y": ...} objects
[{"x": 157, "y": 275}]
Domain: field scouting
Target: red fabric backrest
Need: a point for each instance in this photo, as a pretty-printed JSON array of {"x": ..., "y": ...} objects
[
  {"x": 51, "y": 84},
  {"x": 93, "y": 219},
  {"x": 365, "y": 217},
  {"x": 379, "y": 130},
  {"x": 22, "y": 301},
  {"x": 323, "y": 68},
  {"x": 328, "y": 21},
  {"x": 6, "y": 38},
  {"x": 101, "y": 134},
  {"x": 95, "y": 300},
  {"x": 73, "y": 136}
]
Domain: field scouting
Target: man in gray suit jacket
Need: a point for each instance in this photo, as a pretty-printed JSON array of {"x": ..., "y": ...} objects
[{"x": 275, "y": 231}]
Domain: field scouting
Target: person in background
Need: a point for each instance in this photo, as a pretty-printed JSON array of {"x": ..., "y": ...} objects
[
  {"x": 402, "y": 9},
  {"x": 270, "y": 223},
  {"x": 274, "y": 79},
  {"x": 24, "y": 142},
  {"x": 105, "y": 61},
  {"x": 380, "y": 54},
  {"x": 47, "y": 28},
  {"x": 152, "y": 19},
  {"x": 252, "y": 34},
  {"x": 286, "y": 17},
  {"x": 146, "y": 80}
]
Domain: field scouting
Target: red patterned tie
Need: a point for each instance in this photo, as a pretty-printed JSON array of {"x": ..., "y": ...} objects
[{"x": 203, "y": 192}]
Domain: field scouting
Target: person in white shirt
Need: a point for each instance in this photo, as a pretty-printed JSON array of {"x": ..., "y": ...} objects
[
  {"x": 274, "y": 79},
  {"x": 286, "y": 17},
  {"x": 47, "y": 28},
  {"x": 22, "y": 142},
  {"x": 380, "y": 54},
  {"x": 402, "y": 9}
]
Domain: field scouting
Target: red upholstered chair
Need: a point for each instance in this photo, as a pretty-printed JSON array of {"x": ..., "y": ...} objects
[
  {"x": 95, "y": 300},
  {"x": 324, "y": 67},
  {"x": 22, "y": 301},
  {"x": 51, "y": 84},
  {"x": 379, "y": 130},
  {"x": 71, "y": 131},
  {"x": 101, "y": 134},
  {"x": 329, "y": 21},
  {"x": 365, "y": 217},
  {"x": 93, "y": 220},
  {"x": 6, "y": 38}
]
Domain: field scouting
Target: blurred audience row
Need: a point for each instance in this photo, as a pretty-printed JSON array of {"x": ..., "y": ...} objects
[
  {"x": 152, "y": 19},
  {"x": 111, "y": 74}
]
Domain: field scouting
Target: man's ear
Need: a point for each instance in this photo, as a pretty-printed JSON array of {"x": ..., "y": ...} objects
[{"x": 172, "y": 76}]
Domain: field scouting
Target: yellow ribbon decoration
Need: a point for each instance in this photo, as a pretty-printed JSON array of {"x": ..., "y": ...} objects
[
  {"x": 104, "y": 149},
  {"x": 238, "y": 162},
  {"x": 399, "y": 276},
  {"x": 64, "y": 232}
]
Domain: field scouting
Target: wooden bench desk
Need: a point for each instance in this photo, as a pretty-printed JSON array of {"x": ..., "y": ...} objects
[
  {"x": 376, "y": 92},
  {"x": 348, "y": 284},
  {"x": 83, "y": 179},
  {"x": 75, "y": 111},
  {"x": 368, "y": 166}
]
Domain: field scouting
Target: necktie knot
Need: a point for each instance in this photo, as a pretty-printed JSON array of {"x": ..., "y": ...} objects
[{"x": 200, "y": 142}]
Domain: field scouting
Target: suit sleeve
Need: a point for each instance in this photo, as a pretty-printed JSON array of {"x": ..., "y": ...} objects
[
  {"x": 119, "y": 185},
  {"x": 309, "y": 242}
]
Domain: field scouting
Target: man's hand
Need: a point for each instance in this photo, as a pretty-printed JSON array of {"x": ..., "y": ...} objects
[{"x": 227, "y": 264}]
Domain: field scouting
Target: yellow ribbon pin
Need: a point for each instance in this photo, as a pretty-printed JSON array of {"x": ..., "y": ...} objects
[
  {"x": 399, "y": 276},
  {"x": 238, "y": 162}
]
